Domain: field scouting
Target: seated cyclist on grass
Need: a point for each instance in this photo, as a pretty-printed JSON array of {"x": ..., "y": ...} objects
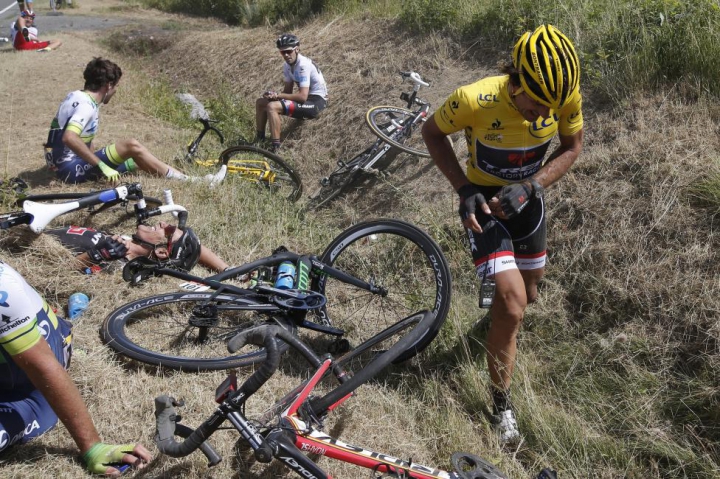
[
  {"x": 35, "y": 388},
  {"x": 76, "y": 123},
  {"x": 96, "y": 251},
  {"x": 24, "y": 34},
  {"x": 307, "y": 102}
]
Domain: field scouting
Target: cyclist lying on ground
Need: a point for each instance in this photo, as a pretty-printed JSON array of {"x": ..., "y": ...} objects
[
  {"x": 75, "y": 125},
  {"x": 35, "y": 388},
  {"x": 97, "y": 250},
  {"x": 24, "y": 35}
]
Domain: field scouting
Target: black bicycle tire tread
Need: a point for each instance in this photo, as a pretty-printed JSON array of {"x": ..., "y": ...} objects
[
  {"x": 226, "y": 155},
  {"x": 428, "y": 245},
  {"x": 380, "y": 134},
  {"x": 362, "y": 376},
  {"x": 124, "y": 346}
]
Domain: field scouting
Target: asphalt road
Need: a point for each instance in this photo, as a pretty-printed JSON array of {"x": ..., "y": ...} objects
[{"x": 49, "y": 23}]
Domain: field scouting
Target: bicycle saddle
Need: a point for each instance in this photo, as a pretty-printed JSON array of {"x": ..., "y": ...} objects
[
  {"x": 470, "y": 466},
  {"x": 45, "y": 213}
]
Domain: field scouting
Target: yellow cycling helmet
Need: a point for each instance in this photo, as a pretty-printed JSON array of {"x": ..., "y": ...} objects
[{"x": 548, "y": 65}]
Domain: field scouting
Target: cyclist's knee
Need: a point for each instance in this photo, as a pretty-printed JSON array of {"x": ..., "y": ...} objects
[{"x": 131, "y": 148}]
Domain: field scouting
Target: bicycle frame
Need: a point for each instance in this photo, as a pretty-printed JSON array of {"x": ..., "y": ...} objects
[
  {"x": 310, "y": 440},
  {"x": 138, "y": 270},
  {"x": 372, "y": 155},
  {"x": 295, "y": 432},
  {"x": 39, "y": 215}
]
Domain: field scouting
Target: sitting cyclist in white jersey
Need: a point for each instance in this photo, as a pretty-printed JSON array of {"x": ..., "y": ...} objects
[
  {"x": 310, "y": 99},
  {"x": 75, "y": 125}
]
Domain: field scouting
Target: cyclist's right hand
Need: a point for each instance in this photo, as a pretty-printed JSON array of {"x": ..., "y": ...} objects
[
  {"x": 471, "y": 200},
  {"x": 103, "y": 458},
  {"x": 107, "y": 250},
  {"x": 110, "y": 174}
]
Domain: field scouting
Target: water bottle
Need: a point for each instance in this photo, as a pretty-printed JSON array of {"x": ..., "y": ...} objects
[
  {"x": 77, "y": 303},
  {"x": 285, "y": 275}
]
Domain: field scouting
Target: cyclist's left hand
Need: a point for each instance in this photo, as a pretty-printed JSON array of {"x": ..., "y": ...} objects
[
  {"x": 100, "y": 458},
  {"x": 510, "y": 200}
]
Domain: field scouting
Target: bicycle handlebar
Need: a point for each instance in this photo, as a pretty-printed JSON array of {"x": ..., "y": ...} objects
[
  {"x": 414, "y": 77},
  {"x": 166, "y": 418}
]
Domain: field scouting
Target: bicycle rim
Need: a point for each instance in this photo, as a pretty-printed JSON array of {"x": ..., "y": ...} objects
[
  {"x": 395, "y": 256},
  {"x": 389, "y": 124},
  {"x": 158, "y": 331},
  {"x": 264, "y": 168}
]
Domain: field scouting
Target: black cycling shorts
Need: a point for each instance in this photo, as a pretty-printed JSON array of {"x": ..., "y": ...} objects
[
  {"x": 520, "y": 242},
  {"x": 311, "y": 108}
]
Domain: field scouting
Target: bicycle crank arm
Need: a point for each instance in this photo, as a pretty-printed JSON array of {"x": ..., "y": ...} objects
[
  {"x": 321, "y": 328},
  {"x": 293, "y": 298}
]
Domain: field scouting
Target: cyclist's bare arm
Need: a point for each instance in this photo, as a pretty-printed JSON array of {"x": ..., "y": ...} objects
[
  {"x": 299, "y": 97},
  {"x": 442, "y": 153},
  {"x": 73, "y": 141},
  {"x": 50, "y": 378},
  {"x": 560, "y": 161},
  {"x": 212, "y": 261}
]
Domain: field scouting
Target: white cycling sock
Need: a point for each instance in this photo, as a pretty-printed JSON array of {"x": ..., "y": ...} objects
[{"x": 176, "y": 175}]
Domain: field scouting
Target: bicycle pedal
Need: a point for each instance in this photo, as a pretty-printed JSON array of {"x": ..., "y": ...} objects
[{"x": 325, "y": 181}]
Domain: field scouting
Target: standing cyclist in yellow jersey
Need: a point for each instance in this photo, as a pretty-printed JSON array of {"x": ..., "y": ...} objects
[{"x": 509, "y": 122}]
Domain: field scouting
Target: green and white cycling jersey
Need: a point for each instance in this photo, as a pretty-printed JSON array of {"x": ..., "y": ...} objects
[
  {"x": 24, "y": 316},
  {"x": 77, "y": 113}
]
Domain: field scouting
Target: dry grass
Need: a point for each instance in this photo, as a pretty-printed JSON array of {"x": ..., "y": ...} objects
[{"x": 624, "y": 334}]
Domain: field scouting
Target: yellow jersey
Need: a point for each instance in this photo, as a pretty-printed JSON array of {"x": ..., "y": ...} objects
[{"x": 504, "y": 147}]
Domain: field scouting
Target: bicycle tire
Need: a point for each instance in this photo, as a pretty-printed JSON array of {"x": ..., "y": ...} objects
[
  {"x": 384, "y": 349},
  {"x": 263, "y": 167},
  {"x": 63, "y": 197},
  {"x": 155, "y": 331},
  {"x": 394, "y": 255},
  {"x": 383, "y": 121},
  {"x": 358, "y": 361},
  {"x": 338, "y": 182}
]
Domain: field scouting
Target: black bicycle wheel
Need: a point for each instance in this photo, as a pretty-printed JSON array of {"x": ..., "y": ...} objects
[
  {"x": 393, "y": 125},
  {"x": 377, "y": 353},
  {"x": 338, "y": 181},
  {"x": 65, "y": 197},
  {"x": 180, "y": 331},
  {"x": 397, "y": 257},
  {"x": 263, "y": 167},
  {"x": 363, "y": 363}
]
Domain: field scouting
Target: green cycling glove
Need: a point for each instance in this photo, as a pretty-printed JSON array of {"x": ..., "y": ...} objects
[
  {"x": 101, "y": 456},
  {"x": 109, "y": 173}
]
